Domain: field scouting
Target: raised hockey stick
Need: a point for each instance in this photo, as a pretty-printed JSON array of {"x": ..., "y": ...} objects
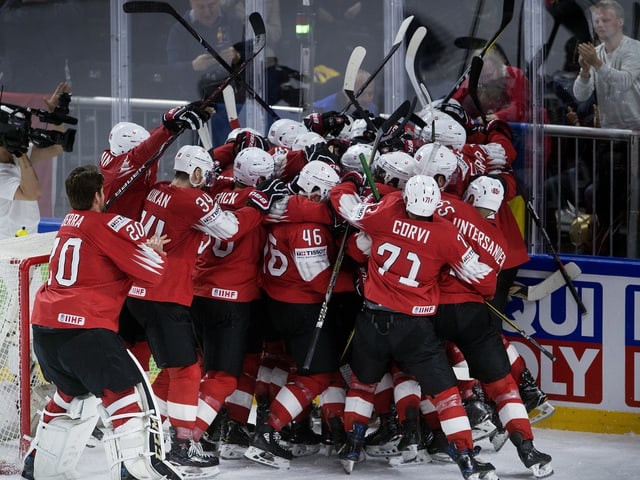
[
  {"x": 409, "y": 64},
  {"x": 547, "y": 286},
  {"x": 163, "y": 7},
  {"x": 259, "y": 42},
  {"x": 350, "y": 74},
  {"x": 513, "y": 325},
  {"x": 229, "y": 97},
  {"x": 507, "y": 15},
  {"x": 474, "y": 77},
  {"x": 397, "y": 41}
]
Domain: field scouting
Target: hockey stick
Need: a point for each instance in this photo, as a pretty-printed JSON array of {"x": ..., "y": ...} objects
[
  {"x": 163, "y": 7},
  {"x": 397, "y": 41},
  {"x": 229, "y": 97},
  {"x": 260, "y": 40},
  {"x": 547, "y": 286},
  {"x": 474, "y": 77},
  {"x": 350, "y": 74},
  {"x": 513, "y": 325},
  {"x": 507, "y": 14},
  {"x": 353, "y": 65},
  {"x": 556, "y": 258},
  {"x": 636, "y": 19},
  {"x": 409, "y": 63}
]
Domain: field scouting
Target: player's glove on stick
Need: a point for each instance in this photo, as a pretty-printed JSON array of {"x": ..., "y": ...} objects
[
  {"x": 191, "y": 117},
  {"x": 327, "y": 123}
]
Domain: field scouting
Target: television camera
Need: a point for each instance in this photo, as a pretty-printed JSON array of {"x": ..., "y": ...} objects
[{"x": 16, "y": 131}]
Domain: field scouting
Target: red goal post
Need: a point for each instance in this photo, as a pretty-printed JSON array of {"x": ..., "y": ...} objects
[{"x": 24, "y": 267}]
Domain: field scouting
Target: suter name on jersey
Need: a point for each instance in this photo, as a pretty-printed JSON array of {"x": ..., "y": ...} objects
[{"x": 469, "y": 230}]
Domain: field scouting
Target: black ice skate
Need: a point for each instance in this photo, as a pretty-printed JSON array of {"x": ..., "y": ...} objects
[
  {"x": 534, "y": 399},
  {"x": 438, "y": 447},
  {"x": 383, "y": 442},
  {"x": 303, "y": 440},
  {"x": 539, "y": 463},
  {"x": 470, "y": 467},
  {"x": 189, "y": 459},
  {"x": 234, "y": 441},
  {"x": 266, "y": 449},
  {"x": 352, "y": 452},
  {"x": 408, "y": 444},
  {"x": 333, "y": 436}
]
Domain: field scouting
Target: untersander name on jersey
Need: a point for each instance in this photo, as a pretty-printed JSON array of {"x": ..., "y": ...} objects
[
  {"x": 70, "y": 319},
  {"x": 159, "y": 198},
  {"x": 412, "y": 232},
  {"x": 72, "y": 220},
  {"x": 470, "y": 231}
]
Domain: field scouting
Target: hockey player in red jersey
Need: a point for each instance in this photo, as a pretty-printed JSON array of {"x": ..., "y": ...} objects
[
  {"x": 95, "y": 258},
  {"x": 410, "y": 248},
  {"x": 227, "y": 288},
  {"x": 297, "y": 268},
  {"x": 130, "y": 147},
  {"x": 466, "y": 320},
  {"x": 183, "y": 211}
]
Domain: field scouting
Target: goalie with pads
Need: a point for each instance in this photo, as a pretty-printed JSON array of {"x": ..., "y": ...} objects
[{"x": 95, "y": 259}]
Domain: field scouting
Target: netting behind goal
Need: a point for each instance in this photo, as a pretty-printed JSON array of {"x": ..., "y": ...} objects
[{"x": 24, "y": 266}]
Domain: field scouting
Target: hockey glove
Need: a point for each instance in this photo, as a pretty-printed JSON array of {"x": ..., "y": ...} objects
[
  {"x": 190, "y": 116},
  {"x": 355, "y": 177},
  {"x": 359, "y": 277},
  {"x": 328, "y": 123},
  {"x": 266, "y": 193},
  {"x": 496, "y": 158},
  {"x": 499, "y": 126},
  {"x": 320, "y": 151},
  {"x": 247, "y": 139}
]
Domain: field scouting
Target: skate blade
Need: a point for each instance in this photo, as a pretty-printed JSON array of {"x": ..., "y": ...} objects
[
  {"x": 490, "y": 475},
  {"x": 421, "y": 457},
  {"x": 231, "y": 451},
  {"x": 482, "y": 430},
  {"x": 441, "y": 457},
  {"x": 302, "y": 450},
  {"x": 389, "y": 449},
  {"x": 196, "y": 473},
  {"x": 266, "y": 458},
  {"x": 541, "y": 412},
  {"x": 348, "y": 465},
  {"x": 541, "y": 471}
]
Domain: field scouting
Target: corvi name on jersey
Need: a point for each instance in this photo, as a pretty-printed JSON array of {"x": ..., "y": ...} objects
[
  {"x": 412, "y": 232},
  {"x": 72, "y": 220},
  {"x": 137, "y": 291},
  {"x": 71, "y": 319},
  {"x": 226, "y": 294}
]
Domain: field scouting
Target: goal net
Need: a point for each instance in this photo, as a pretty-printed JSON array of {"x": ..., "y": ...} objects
[{"x": 24, "y": 266}]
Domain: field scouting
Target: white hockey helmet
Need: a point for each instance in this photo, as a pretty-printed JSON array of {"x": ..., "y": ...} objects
[
  {"x": 236, "y": 131},
  {"x": 448, "y": 131},
  {"x": 284, "y": 131},
  {"x": 434, "y": 159},
  {"x": 356, "y": 130},
  {"x": 394, "y": 168},
  {"x": 305, "y": 139},
  {"x": 126, "y": 135},
  {"x": 487, "y": 193},
  {"x": 191, "y": 157},
  {"x": 421, "y": 195},
  {"x": 350, "y": 160},
  {"x": 317, "y": 175},
  {"x": 252, "y": 165}
]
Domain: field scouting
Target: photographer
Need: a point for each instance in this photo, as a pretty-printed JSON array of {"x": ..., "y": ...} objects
[{"x": 19, "y": 184}]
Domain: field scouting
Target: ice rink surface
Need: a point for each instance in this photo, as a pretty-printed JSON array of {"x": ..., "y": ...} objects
[{"x": 576, "y": 456}]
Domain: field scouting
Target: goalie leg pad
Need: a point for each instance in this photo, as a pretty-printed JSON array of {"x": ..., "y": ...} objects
[
  {"x": 138, "y": 444},
  {"x": 59, "y": 445}
]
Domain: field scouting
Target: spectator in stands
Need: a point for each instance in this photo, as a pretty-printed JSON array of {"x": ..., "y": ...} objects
[
  {"x": 194, "y": 69},
  {"x": 338, "y": 100},
  {"x": 612, "y": 70},
  {"x": 19, "y": 183}
]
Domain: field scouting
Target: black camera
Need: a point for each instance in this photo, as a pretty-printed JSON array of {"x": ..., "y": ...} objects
[{"x": 16, "y": 131}]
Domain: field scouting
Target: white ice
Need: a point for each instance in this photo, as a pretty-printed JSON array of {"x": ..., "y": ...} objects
[{"x": 576, "y": 456}]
